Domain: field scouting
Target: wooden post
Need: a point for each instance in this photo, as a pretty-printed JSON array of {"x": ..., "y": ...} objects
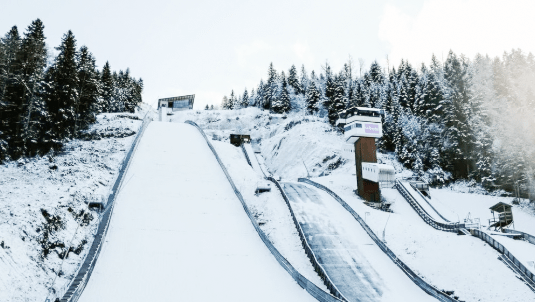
[{"x": 365, "y": 151}]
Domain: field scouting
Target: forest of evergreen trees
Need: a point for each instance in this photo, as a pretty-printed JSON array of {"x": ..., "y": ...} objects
[
  {"x": 45, "y": 101},
  {"x": 464, "y": 118}
]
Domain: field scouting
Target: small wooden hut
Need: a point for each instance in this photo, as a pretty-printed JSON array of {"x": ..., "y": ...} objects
[
  {"x": 238, "y": 139},
  {"x": 505, "y": 216}
]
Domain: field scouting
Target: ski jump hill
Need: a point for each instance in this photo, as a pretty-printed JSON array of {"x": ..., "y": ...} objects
[{"x": 179, "y": 233}]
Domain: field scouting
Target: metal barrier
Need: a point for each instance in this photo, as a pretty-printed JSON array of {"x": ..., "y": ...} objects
[
  {"x": 510, "y": 260},
  {"x": 529, "y": 238},
  {"x": 517, "y": 266},
  {"x": 310, "y": 287},
  {"x": 78, "y": 283},
  {"x": 447, "y": 227},
  {"x": 428, "y": 288},
  {"x": 308, "y": 250},
  {"x": 427, "y": 201},
  {"x": 246, "y": 156}
]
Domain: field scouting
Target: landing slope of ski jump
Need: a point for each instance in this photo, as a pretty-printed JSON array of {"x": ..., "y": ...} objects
[
  {"x": 354, "y": 263},
  {"x": 178, "y": 232}
]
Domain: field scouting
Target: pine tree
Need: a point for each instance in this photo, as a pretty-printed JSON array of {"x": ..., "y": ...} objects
[
  {"x": 252, "y": 98},
  {"x": 270, "y": 89},
  {"x": 232, "y": 101},
  {"x": 330, "y": 87},
  {"x": 259, "y": 98},
  {"x": 338, "y": 100},
  {"x": 10, "y": 47},
  {"x": 64, "y": 93},
  {"x": 282, "y": 104},
  {"x": 376, "y": 74},
  {"x": 304, "y": 82},
  {"x": 224, "y": 103},
  {"x": 245, "y": 99},
  {"x": 106, "y": 82},
  {"x": 456, "y": 116},
  {"x": 88, "y": 102},
  {"x": 10, "y": 92},
  {"x": 292, "y": 80},
  {"x": 312, "y": 98},
  {"x": 206, "y": 107},
  {"x": 32, "y": 59}
]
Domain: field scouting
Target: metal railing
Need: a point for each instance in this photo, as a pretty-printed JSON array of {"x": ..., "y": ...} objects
[
  {"x": 447, "y": 227},
  {"x": 529, "y": 238},
  {"x": 510, "y": 260},
  {"x": 517, "y": 266},
  {"x": 428, "y": 288},
  {"x": 246, "y": 156},
  {"x": 308, "y": 250},
  {"x": 427, "y": 201},
  {"x": 78, "y": 283},
  {"x": 310, "y": 287}
]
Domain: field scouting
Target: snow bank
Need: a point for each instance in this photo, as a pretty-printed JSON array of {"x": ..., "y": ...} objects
[
  {"x": 269, "y": 209},
  {"x": 463, "y": 264},
  {"x": 44, "y": 206},
  {"x": 290, "y": 144}
]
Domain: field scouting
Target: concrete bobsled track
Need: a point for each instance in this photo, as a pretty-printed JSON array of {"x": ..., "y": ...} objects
[
  {"x": 353, "y": 262},
  {"x": 178, "y": 232}
]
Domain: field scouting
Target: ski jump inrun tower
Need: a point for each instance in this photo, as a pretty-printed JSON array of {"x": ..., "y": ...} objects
[{"x": 361, "y": 127}]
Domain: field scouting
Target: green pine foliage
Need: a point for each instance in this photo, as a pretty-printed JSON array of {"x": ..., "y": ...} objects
[
  {"x": 282, "y": 103},
  {"x": 293, "y": 81},
  {"x": 42, "y": 105},
  {"x": 313, "y": 97},
  {"x": 271, "y": 88}
]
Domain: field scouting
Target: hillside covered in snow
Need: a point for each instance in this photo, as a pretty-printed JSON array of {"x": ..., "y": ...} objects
[{"x": 47, "y": 223}]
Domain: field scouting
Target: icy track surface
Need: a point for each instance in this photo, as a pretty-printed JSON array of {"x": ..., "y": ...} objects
[
  {"x": 178, "y": 232},
  {"x": 355, "y": 264}
]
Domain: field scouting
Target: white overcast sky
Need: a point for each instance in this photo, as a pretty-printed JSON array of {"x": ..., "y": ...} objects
[{"x": 208, "y": 47}]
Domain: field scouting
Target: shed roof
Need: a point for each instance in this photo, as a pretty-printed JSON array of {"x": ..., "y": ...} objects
[{"x": 500, "y": 207}]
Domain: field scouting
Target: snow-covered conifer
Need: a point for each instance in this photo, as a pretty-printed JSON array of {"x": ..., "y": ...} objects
[
  {"x": 293, "y": 81},
  {"x": 245, "y": 99},
  {"x": 282, "y": 104},
  {"x": 312, "y": 98}
]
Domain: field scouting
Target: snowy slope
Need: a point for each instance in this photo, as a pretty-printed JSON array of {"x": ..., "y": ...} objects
[
  {"x": 57, "y": 186},
  {"x": 448, "y": 261},
  {"x": 463, "y": 264},
  {"x": 178, "y": 232},
  {"x": 522, "y": 250},
  {"x": 289, "y": 144},
  {"x": 270, "y": 210},
  {"x": 461, "y": 204},
  {"x": 252, "y": 158},
  {"x": 354, "y": 263}
]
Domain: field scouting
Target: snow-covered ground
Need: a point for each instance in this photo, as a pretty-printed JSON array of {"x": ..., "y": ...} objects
[
  {"x": 457, "y": 206},
  {"x": 269, "y": 208},
  {"x": 463, "y": 264},
  {"x": 44, "y": 207},
  {"x": 291, "y": 144},
  {"x": 179, "y": 233},
  {"x": 296, "y": 145}
]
